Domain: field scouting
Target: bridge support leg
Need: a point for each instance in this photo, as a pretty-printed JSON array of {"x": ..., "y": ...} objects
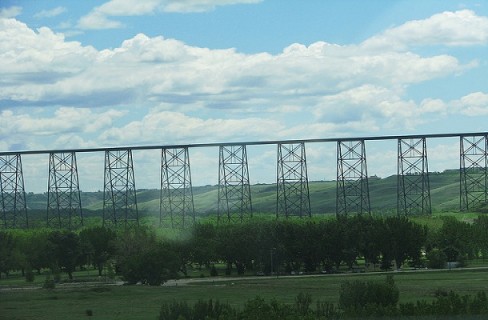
[
  {"x": 293, "y": 197},
  {"x": 473, "y": 172},
  {"x": 63, "y": 195},
  {"x": 119, "y": 195},
  {"x": 176, "y": 202},
  {"x": 234, "y": 195},
  {"x": 14, "y": 208},
  {"x": 413, "y": 196},
  {"x": 352, "y": 179}
]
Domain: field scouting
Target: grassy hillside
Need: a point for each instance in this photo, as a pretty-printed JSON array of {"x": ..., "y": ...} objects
[{"x": 383, "y": 197}]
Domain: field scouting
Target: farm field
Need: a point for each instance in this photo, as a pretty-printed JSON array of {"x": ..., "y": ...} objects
[{"x": 72, "y": 301}]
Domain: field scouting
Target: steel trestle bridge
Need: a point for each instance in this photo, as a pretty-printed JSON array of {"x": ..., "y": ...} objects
[{"x": 234, "y": 203}]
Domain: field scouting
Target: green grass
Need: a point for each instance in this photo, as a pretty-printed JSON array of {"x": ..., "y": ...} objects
[{"x": 143, "y": 302}]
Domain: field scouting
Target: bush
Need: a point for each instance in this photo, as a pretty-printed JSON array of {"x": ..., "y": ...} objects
[
  {"x": 368, "y": 297},
  {"x": 200, "y": 310}
]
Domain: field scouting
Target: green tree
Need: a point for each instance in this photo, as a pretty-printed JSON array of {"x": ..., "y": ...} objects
[
  {"x": 7, "y": 247},
  {"x": 142, "y": 257},
  {"x": 100, "y": 244},
  {"x": 64, "y": 250}
]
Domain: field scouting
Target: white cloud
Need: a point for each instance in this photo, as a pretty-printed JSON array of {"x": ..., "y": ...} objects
[
  {"x": 473, "y": 105},
  {"x": 201, "y": 94},
  {"x": 98, "y": 18},
  {"x": 460, "y": 28},
  {"x": 10, "y": 12},
  {"x": 50, "y": 13},
  {"x": 168, "y": 128},
  {"x": 32, "y": 127}
]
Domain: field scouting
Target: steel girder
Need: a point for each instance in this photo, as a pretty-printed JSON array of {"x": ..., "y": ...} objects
[
  {"x": 293, "y": 197},
  {"x": 63, "y": 195},
  {"x": 119, "y": 196},
  {"x": 473, "y": 172},
  {"x": 176, "y": 202},
  {"x": 14, "y": 208},
  {"x": 352, "y": 179},
  {"x": 413, "y": 194},
  {"x": 234, "y": 194}
]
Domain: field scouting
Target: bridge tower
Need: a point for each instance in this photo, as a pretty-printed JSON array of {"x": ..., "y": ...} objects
[
  {"x": 176, "y": 202},
  {"x": 63, "y": 195},
  {"x": 413, "y": 194},
  {"x": 14, "y": 208},
  {"x": 473, "y": 172},
  {"x": 119, "y": 195},
  {"x": 352, "y": 179},
  {"x": 234, "y": 195},
  {"x": 293, "y": 197}
]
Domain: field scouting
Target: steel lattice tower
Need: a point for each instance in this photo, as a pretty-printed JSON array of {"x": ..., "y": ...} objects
[
  {"x": 63, "y": 195},
  {"x": 234, "y": 197},
  {"x": 352, "y": 179},
  {"x": 14, "y": 208},
  {"x": 119, "y": 196},
  {"x": 176, "y": 201},
  {"x": 293, "y": 197},
  {"x": 473, "y": 172},
  {"x": 413, "y": 196}
]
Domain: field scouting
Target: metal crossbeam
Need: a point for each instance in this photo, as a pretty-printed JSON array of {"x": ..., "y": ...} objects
[
  {"x": 352, "y": 179},
  {"x": 14, "y": 209},
  {"x": 176, "y": 201},
  {"x": 63, "y": 196},
  {"x": 234, "y": 194},
  {"x": 293, "y": 197},
  {"x": 413, "y": 196},
  {"x": 473, "y": 172},
  {"x": 119, "y": 196}
]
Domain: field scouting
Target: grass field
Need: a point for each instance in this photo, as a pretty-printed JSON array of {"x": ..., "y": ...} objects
[{"x": 143, "y": 302}]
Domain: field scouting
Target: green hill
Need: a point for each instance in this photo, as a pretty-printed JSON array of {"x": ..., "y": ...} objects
[{"x": 383, "y": 197}]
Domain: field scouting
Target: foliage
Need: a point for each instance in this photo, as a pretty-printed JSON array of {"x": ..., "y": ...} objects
[
  {"x": 64, "y": 250},
  {"x": 99, "y": 245},
  {"x": 141, "y": 257},
  {"x": 362, "y": 297},
  {"x": 436, "y": 259},
  {"x": 200, "y": 310},
  {"x": 6, "y": 252}
]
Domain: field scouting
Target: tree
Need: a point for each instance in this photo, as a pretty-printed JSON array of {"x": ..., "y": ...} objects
[
  {"x": 6, "y": 252},
  {"x": 100, "y": 244},
  {"x": 403, "y": 240},
  {"x": 64, "y": 250},
  {"x": 141, "y": 257}
]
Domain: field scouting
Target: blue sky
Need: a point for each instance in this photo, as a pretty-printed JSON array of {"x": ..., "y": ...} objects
[{"x": 130, "y": 72}]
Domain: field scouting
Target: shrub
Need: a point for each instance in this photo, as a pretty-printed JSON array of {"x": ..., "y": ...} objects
[{"x": 368, "y": 297}]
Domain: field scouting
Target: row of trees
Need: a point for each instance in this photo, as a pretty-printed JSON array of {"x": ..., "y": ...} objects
[{"x": 256, "y": 246}]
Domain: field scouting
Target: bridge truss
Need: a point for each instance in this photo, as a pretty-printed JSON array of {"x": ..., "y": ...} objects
[{"x": 64, "y": 209}]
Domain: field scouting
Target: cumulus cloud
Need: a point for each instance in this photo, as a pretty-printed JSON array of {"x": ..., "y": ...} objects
[
  {"x": 166, "y": 127},
  {"x": 10, "y": 12},
  {"x": 205, "y": 94},
  {"x": 473, "y": 104},
  {"x": 30, "y": 127},
  {"x": 460, "y": 28},
  {"x": 99, "y": 17}
]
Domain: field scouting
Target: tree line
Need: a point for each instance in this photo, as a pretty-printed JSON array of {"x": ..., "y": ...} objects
[{"x": 255, "y": 247}]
